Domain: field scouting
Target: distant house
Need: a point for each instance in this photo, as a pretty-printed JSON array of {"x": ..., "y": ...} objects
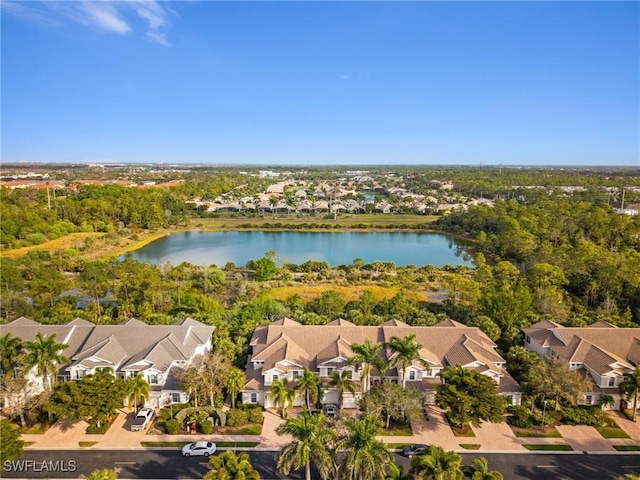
[
  {"x": 601, "y": 351},
  {"x": 283, "y": 348},
  {"x": 158, "y": 352}
]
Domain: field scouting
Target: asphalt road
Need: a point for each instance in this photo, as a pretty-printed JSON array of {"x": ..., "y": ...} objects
[{"x": 169, "y": 464}]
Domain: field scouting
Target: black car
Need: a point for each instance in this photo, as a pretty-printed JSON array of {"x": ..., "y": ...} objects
[{"x": 412, "y": 450}]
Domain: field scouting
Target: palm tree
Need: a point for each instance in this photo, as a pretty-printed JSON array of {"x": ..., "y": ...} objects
[
  {"x": 45, "y": 355},
  {"x": 606, "y": 401},
  {"x": 365, "y": 457},
  {"x": 342, "y": 381},
  {"x": 435, "y": 463},
  {"x": 309, "y": 386},
  {"x": 137, "y": 389},
  {"x": 282, "y": 394},
  {"x": 630, "y": 388},
  {"x": 405, "y": 352},
  {"x": 235, "y": 382},
  {"x": 367, "y": 355},
  {"x": 311, "y": 444},
  {"x": 11, "y": 351},
  {"x": 396, "y": 472},
  {"x": 229, "y": 466},
  {"x": 481, "y": 470}
]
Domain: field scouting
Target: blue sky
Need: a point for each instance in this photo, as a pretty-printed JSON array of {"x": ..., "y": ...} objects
[{"x": 508, "y": 83}]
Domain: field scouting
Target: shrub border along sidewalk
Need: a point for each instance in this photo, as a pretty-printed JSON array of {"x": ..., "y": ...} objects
[{"x": 558, "y": 447}]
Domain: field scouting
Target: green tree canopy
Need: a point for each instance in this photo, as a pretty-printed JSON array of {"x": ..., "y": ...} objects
[{"x": 469, "y": 396}]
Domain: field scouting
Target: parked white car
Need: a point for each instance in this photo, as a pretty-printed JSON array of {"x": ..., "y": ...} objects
[
  {"x": 199, "y": 448},
  {"x": 142, "y": 419}
]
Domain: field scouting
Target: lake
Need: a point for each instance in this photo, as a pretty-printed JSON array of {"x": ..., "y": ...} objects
[{"x": 335, "y": 248}]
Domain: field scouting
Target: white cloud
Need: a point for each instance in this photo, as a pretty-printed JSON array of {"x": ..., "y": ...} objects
[
  {"x": 104, "y": 16},
  {"x": 113, "y": 16}
]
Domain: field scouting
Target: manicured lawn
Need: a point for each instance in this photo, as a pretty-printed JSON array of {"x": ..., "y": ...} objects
[
  {"x": 548, "y": 432},
  {"x": 560, "y": 446},
  {"x": 608, "y": 432},
  {"x": 251, "y": 429},
  {"x": 87, "y": 444},
  {"x": 627, "y": 448},
  {"x": 470, "y": 446},
  {"x": 397, "y": 445}
]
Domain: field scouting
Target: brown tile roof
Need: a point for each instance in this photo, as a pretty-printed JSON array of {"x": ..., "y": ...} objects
[
  {"x": 311, "y": 345},
  {"x": 598, "y": 345}
]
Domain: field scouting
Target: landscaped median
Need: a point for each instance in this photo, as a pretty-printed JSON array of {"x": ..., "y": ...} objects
[{"x": 560, "y": 447}]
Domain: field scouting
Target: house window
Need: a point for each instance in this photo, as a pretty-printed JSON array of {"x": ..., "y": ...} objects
[
  {"x": 349, "y": 374},
  {"x": 412, "y": 375},
  {"x": 153, "y": 378},
  {"x": 175, "y": 397},
  {"x": 527, "y": 339},
  {"x": 274, "y": 377},
  {"x": 254, "y": 398},
  {"x": 612, "y": 381},
  {"x": 588, "y": 399},
  {"x": 296, "y": 373},
  {"x": 330, "y": 369},
  {"x": 509, "y": 399},
  {"x": 80, "y": 373}
]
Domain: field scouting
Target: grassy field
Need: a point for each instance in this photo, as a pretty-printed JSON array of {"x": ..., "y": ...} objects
[
  {"x": 73, "y": 240},
  {"x": 348, "y": 292}
]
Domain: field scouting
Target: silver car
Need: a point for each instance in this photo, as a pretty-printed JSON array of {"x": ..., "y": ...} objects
[{"x": 199, "y": 448}]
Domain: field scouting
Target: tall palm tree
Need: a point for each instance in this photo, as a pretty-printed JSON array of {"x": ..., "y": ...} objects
[
  {"x": 11, "y": 351},
  {"x": 45, "y": 355},
  {"x": 405, "y": 351},
  {"x": 282, "y": 394},
  {"x": 366, "y": 458},
  {"x": 630, "y": 388},
  {"x": 137, "y": 388},
  {"x": 367, "y": 355},
  {"x": 229, "y": 466},
  {"x": 435, "y": 463},
  {"x": 235, "y": 382},
  {"x": 342, "y": 381},
  {"x": 309, "y": 387},
  {"x": 481, "y": 470},
  {"x": 311, "y": 443}
]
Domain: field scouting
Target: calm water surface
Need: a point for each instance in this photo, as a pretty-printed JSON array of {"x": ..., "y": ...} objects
[{"x": 340, "y": 248}]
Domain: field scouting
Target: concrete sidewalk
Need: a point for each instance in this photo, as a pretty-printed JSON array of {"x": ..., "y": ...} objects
[{"x": 490, "y": 437}]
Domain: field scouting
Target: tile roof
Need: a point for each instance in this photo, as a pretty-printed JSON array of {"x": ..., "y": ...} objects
[
  {"x": 599, "y": 345},
  {"x": 123, "y": 346},
  {"x": 448, "y": 343}
]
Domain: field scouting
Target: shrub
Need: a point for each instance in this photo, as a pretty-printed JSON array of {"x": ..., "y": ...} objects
[
  {"x": 172, "y": 426},
  {"x": 254, "y": 413},
  {"x": 579, "y": 416},
  {"x": 165, "y": 414},
  {"x": 207, "y": 427},
  {"x": 628, "y": 413},
  {"x": 520, "y": 416},
  {"x": 236, "y": 418}
]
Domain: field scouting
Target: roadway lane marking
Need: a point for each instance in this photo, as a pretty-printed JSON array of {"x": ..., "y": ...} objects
[
  {"x": 125, "y": 463},
  {"x": 546, "y": 466}
]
